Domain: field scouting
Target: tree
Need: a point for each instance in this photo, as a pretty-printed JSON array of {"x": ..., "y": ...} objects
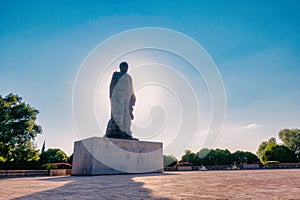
[
  {"x": 262, "y": 147},
  {"x": 203, "y": 153},
  {"x": 18, "y": 129},
  {"x": 43, "y": 147},
  {"x": 213, "y": 157},
  {"x": 201, "y": 157},
  {"x": 219, "y": 157},
  {"x": 279, "y": 153},
  {"x": 291, "y": 139},
  {"x": 70, "y": 161},
  {"x": 169, "y": 160},
  {"x": 208, "y": 157},
  {"x": 53, "y": 156},
  {"x": 241, "y": 157},
  {"x": 188, "y": 156}
]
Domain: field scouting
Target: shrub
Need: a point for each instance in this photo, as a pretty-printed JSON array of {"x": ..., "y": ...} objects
[
  {"x": 63, "y": 165},
  {"x": 272, "y": 162},
  {"x": 57, "y": 166},
  {"x": 184, "y": 164},
  {"x": 49, "y": 166},
  {"x": 2, "y": 159}
]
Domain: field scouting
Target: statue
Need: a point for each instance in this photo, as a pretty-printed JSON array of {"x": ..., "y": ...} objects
[{"x": 122, "y": 100}]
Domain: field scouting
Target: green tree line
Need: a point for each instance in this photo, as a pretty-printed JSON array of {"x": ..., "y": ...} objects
[
  {"x": 209, "y": 157},
  {"x": 268, "y": 152}
]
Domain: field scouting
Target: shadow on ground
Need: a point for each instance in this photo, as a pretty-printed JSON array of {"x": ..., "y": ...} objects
[{"x": 95, "y": 187}]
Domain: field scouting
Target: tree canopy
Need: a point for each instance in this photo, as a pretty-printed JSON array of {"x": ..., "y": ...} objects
[
  {"x": 188, "y": 156},
  {"x": 208, "y": 157},
  {"x": 287, "y": 153},
  {"x": 169, "y": 160},
  {"x": 291, "y": 139},
  {"x": 263, "y": 146},
  {"x": 279, "y": 153},
  {"x": 54, "y": 156},
  {"x": 18, "y": 129},
  {"x": 218, "y": 157},
  {"x": 241, "y": 157}
]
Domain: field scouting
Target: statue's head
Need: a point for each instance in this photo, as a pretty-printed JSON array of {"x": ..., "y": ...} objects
[{"x": 123, "y": 67}]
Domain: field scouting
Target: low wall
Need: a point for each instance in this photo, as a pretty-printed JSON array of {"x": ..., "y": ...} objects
[
  {"x": 244, "y": 167},
  {"x": 282, "y": 166},
  {"x": 16, "y": 173}
]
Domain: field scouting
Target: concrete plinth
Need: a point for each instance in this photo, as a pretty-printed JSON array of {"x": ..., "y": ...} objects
[{"x": 97, "y": 155}]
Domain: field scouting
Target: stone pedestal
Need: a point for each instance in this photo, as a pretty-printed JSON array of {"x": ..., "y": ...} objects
[{"x": 97, "y": 155}]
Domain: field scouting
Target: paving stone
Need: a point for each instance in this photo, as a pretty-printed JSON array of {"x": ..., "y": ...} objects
[{"x": 236, "y": 184}]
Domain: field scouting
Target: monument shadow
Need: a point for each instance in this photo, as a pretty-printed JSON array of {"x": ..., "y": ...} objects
[{"x": 96, "y": 187}]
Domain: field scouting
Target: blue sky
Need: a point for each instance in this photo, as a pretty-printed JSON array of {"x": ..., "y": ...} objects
[{"x": 256, "y": 46}]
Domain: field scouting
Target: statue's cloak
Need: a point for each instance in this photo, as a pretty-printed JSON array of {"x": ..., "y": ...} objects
[{"x": 122, "y": 99}]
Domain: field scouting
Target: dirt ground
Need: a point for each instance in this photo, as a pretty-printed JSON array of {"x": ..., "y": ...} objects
[{"x": 251, "y": 184}]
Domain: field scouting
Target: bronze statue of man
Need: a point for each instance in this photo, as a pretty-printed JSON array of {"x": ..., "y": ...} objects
[{"x": 122, "y": 100}]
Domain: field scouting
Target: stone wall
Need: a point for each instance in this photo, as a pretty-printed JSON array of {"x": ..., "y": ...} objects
[{"x": 15, "y": 173}]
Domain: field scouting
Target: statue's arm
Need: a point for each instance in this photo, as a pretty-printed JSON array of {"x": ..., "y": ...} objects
[
  {"x": 132, "y": 100},
  {"x": 132, "y": 97}
]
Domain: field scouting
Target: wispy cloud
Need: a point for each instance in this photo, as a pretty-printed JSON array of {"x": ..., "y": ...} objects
[{"x": 252, "y": 126}]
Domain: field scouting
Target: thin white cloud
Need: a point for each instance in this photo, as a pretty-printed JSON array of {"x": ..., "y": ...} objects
[{"x": 252, "y": 126}]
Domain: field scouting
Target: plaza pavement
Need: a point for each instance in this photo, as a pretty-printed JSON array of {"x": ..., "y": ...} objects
[{"x": 239, "y": 184}]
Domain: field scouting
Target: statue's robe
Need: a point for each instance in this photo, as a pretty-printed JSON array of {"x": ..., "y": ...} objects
[{"x": 122, "y": 100}]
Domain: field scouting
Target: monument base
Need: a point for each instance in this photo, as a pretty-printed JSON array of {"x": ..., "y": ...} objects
[{"x": 97, "y": 155}]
